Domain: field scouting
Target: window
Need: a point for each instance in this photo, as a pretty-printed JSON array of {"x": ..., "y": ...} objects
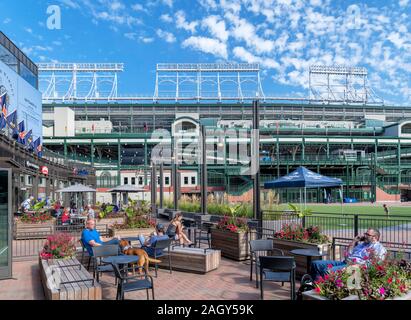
[
  {"x": 29, "y": 180},
  {"x": 185, "y": 180},
  {"x": 158, "y": 180},
  {"x": 140, "y": 181},
  {"x": 167, "y": 181},
  {"x": 133, "y": 181},
  {"x": 27, "y": 75},
  {"x": 193, "y": 180},
  {"x": 126, "y": 180}
]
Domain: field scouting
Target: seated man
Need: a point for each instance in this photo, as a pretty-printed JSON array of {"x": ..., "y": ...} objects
[
  {"x": 359, "y": 252},
  {"x": 91, "y": 237},
  {"x": 147, "y": 244}
]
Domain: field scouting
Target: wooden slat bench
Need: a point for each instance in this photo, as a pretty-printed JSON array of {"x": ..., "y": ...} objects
[
  {"x": 76, "y": 283},
  {"x": 193, "y": 260}
]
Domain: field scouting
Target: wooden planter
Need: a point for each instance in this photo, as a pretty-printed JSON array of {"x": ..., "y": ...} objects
[
  {"x": 233, "y": 245},
  {"x": 193, "y": 260},
  {"x": 33, "y": 230},
  {"x": 122, "y": 233},
  {"x": 287, "y": 245},
  {"x": 312, "y": 295},
  {"x": 84, "y": 286},
  {"x": 112, "y": 221}
]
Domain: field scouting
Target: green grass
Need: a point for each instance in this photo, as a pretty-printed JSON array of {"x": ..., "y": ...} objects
[{"x": 356, "y": 209}]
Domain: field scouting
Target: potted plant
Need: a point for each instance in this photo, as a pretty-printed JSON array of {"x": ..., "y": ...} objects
[
  {"x": 232, "y": 236},
  {"x": 137, "y": 221},
  {"x": 58, "y": 246},
  {"x": 109, "y": 216},
  {"x": 377, "y": 280},
  {"x": 35, "y": 223},
  {"x": 294, "y": 236}
]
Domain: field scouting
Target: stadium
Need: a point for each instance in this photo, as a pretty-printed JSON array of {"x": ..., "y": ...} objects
[{"x": 342, "y": 129}]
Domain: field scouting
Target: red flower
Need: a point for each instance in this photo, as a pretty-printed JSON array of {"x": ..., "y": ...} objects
[
  {"x": 389, "y": 280},
  {"x": 329, "y": 266}
]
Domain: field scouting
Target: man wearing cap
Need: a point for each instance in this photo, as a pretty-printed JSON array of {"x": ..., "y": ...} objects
[{"x": 148, "y": 243}]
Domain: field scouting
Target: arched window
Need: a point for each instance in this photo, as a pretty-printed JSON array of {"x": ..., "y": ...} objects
[{"x": 406, "y": 128}]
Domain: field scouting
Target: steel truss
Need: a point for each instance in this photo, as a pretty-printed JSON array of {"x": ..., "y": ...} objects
[
  {"x": 79, "y": 81},
  {"x": 341, "y": 84},
  {"x": 208, "y": 81}
]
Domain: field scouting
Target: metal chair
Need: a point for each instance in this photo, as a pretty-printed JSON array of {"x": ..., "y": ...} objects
[
  {"x": 277, "y": 269},
  {"x": 83, "y": 248},
  {"x": 202, "y": 233},
  {"x": 143, "y": 282},
  {"x": 260, "y": 247},
  {"x": 101, "y": 252},
  {"x": 161, "y": 245}
]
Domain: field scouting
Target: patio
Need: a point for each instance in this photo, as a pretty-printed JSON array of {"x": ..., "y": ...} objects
[{"x": 229, "y": 282}]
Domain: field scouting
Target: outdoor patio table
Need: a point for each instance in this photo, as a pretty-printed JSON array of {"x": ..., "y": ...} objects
[
  {"x": 309, "y": 253},
  {"x": 131, "y": 239},
  {"x": 121, "y": 261}
]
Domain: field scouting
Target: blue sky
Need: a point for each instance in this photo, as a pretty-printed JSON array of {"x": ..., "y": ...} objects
[{"x": 285, "y": 37}]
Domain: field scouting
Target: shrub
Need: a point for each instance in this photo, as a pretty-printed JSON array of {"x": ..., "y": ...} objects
[
  {"x": 296, "y": 232},
  {"x": 36, "y": 217},
  {"x": 58, "y": 246}
]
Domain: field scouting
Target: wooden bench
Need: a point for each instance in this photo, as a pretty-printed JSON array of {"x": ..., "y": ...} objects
[
  {"x": 75, "y": 282},
  {"x": 193, "y": 260},
  {"x": 23, "y": 231}
]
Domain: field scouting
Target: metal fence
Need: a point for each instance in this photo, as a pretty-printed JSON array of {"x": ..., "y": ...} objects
[
  {"x": 395, "y": 230},
  {"x": 29, "y": 243}
]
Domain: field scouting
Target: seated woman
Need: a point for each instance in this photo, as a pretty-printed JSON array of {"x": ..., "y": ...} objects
[
  {"x": 65, "y": 217},
  {"x": 180, "y": 235}
]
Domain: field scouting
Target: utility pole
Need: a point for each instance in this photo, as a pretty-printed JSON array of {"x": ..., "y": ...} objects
[{"x": 256, "y": 180}]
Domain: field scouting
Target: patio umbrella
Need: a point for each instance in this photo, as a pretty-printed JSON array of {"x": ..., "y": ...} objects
[
  {"x": 77, "y": 189},
  {"x": 304, "y": 178},
  {"x": 125, "y": 190}
]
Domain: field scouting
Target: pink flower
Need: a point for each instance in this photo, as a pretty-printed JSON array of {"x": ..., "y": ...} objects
[
  {"x": 382, "y": 291},
  {"x": 329, "y": 266},
  {"x": 317, "y": 289}
]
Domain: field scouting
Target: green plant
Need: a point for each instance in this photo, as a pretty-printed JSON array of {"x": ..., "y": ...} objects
[
  {"x": 36, "y": 217},
  {"x": 59, "y": 246},
  {"x": 39, "y": 205},
  {"x": 300, "y": 212},
  {"x": 296, "y": 232},
  {"x": 379, "y": 280}
]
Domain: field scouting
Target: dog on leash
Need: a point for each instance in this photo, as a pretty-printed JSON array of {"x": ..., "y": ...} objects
[{"x": 143, "y": 258}]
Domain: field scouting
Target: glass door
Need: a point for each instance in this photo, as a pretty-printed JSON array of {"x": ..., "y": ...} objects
[{"x": 5, "y": 223}]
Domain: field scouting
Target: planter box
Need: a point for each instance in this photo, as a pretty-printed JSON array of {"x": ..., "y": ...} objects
[
  {"x": 286, "y": 246},
  {"x": 233, "y": 245},
  {"x": 82, "y": 286},
  {"x": 312, "y": 295},
  {"x": 122, "y": 233},
  {"x": 33, "y": 230},
  {"x": 194, "y": 260},
  {"x": 111, "y": 221}
]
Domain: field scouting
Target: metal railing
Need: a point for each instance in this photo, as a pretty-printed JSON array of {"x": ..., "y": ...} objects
[
  {"x": 395, "y": 230},
  {"x": 28, "y": 244}
]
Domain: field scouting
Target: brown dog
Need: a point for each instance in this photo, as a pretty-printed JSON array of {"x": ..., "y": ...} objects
[{"x": 143, "y": 258}]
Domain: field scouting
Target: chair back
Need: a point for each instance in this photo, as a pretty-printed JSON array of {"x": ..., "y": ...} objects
[
  {"x": 261, "y": 245},
  {"x": 277, "y": 263},
  {"x": 162, "y": 244},
  {"x": 171, "y": 230},
  {"x": 105, "y": 251}
]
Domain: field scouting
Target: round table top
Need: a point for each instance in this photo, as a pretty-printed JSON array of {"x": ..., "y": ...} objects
[
  {"x": 307, "y": 252},
  {"x": 123, "y": 259},
  {"x": 131, "y": 239}
]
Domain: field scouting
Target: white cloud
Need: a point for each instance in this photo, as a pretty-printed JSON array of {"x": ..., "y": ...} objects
[
  {"x": 6, "y": 20},
  {"x": 182, "y": 23},
  {"x": 138, "y": 7},
  {"x": 207, "y": 45},
  {"x": 216, "y": 26},
  {"x": 167, "y": 36},
  {"x": 116, "y": 5},
  {"x": 246, "y": 56},
  {"x": 168, "y": 3},
  {"x": 403, "y": 3},
  {"x": 166, "y": 18}
]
